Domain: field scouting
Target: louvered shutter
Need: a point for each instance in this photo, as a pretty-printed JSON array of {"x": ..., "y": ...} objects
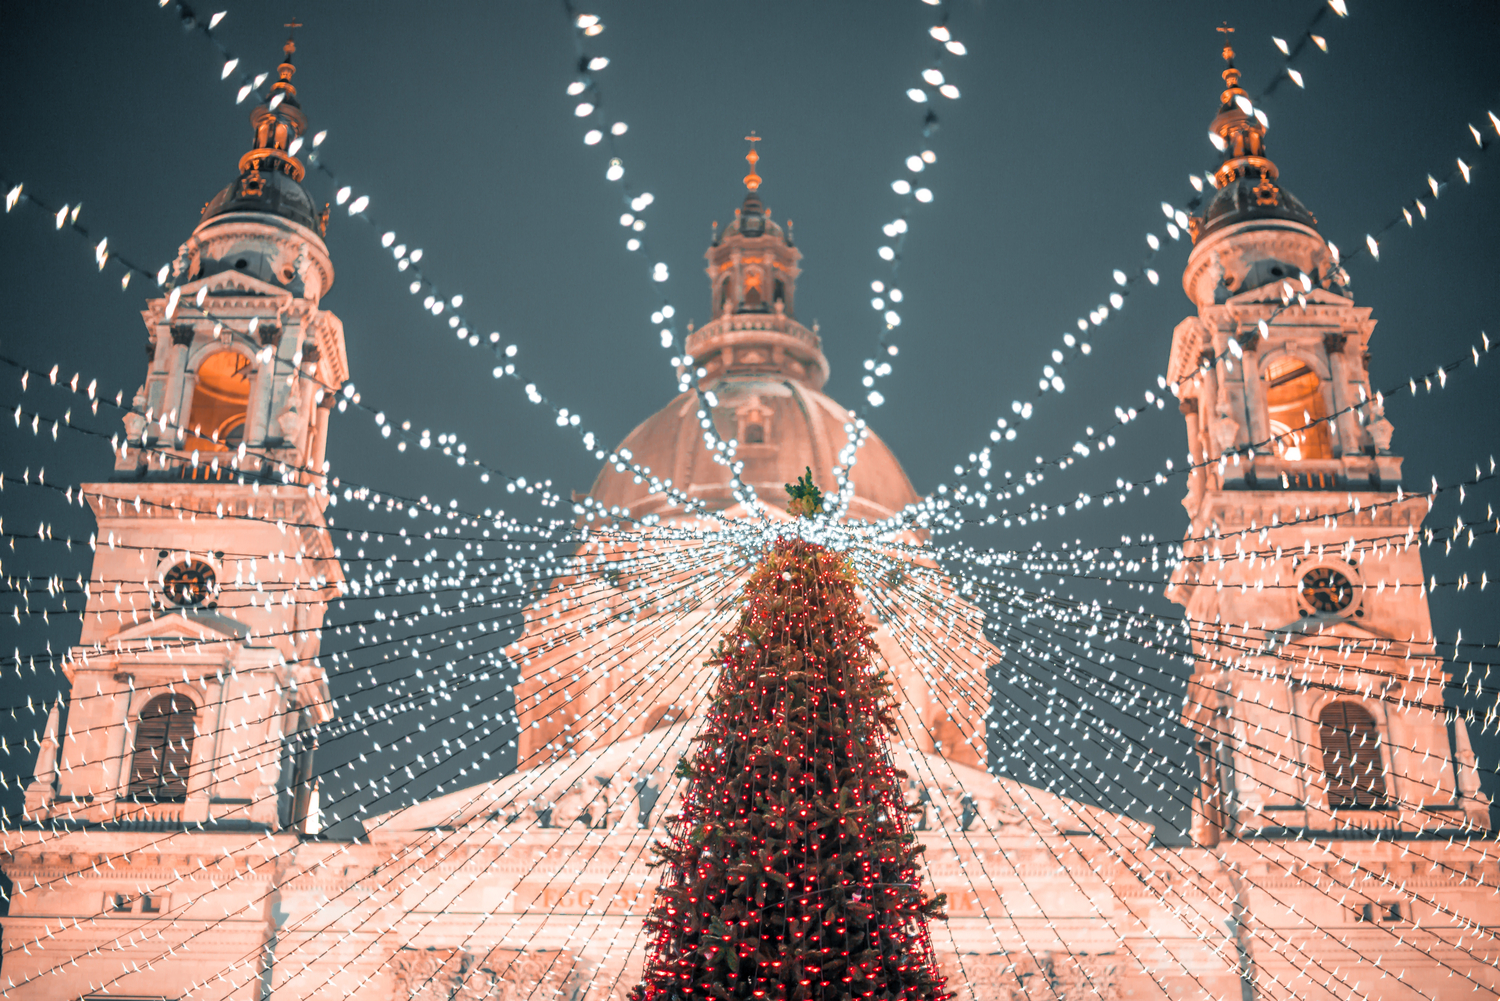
[
  {"x": 1351, "y": 757},
  {"x": 163, "y": 749}
]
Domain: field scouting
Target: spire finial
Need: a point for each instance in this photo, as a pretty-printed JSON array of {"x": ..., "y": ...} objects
[
  {"x": 279, "y": 123},
  {"x": 1231, "y": 75},
  {"x": 286, "y": 70},
  {"x": 752, "y": 179}
]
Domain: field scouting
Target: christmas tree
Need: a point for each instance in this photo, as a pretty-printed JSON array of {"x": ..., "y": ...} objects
[{"x": 792, "y": 872}]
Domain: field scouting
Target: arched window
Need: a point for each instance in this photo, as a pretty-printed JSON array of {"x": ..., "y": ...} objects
[
  {"x": 220, "y": 399},
  {"x": 724, "y": 295},
  {"x": 1351, "y": 757},
  {"x": 163, "y": 748},
  {"x": 1295, "y": 408}
]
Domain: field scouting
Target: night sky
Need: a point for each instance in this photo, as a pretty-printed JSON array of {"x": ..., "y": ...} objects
[{"x": 1076, "y": 121}]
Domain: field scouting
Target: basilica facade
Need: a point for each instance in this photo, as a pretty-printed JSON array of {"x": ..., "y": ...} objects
[{"x": 171, "y": 847}]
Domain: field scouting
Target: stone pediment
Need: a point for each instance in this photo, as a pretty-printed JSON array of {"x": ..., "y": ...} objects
[
  {"x": 235, "y": 283},
  {"x": 1271, "y": 292},
  {"x": 1311, "y": 630},
  {"x": 201, "y": 627},
  {"x": 630, "y": 786}
]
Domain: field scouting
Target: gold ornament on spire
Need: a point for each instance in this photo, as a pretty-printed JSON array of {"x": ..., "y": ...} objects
[
  {"x": 1239, "y": 132},
  {"x": 752, "y": 179},
  {"x": 279, "y": 123}
]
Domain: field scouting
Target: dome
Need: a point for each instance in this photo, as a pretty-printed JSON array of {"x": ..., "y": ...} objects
[
  {"x": 1250, "y": 197},
  {"x": 783, "y": 427},
  {"x": 270, "y": 174},
  {"x": 266, "y": 191},
  {"x": 765, "y": 371}
]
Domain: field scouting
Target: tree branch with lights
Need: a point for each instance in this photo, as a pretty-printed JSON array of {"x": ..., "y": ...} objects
[{"x": 792, "y": 871}]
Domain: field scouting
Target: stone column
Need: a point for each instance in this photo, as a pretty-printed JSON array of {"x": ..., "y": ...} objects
[
  {"x": 201, "y": 769},
  {"x": 155, "y": 379},
  {"x": 264, "y": 806},
  {"x": 172, "y": 397},
  {"x": 262, "y": 388},
  {"x": 119, "y": 750},
  {"x": 1345, "y": 431},
  {"x": 284, "y": 345},
  {"x": 319, "y": 445},
  {"x": 1255, "y": 400}
]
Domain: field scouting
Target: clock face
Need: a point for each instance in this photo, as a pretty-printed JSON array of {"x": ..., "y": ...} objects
[
  {"x": 189, "y": 584},
  {"x": 1327, "y": 590}
]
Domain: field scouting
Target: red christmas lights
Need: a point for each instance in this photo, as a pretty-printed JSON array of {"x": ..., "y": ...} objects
[{"x": 792, "y": 870}]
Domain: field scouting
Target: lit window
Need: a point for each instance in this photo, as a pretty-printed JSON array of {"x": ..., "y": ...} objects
[
  {"x": 221, "y": 397},
  {"x": 1296, "y": 411}
]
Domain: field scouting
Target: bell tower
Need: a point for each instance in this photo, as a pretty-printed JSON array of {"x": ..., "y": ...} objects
[
  {"x": 1316, "y": 696},
  {"x": 195, "y": 690}
]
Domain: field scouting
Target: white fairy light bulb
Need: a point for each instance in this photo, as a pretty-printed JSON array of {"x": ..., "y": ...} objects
[{"x": 616, "y": 170}]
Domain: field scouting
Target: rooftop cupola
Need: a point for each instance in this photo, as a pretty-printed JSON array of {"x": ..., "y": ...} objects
[
  {"x": 1252, "y": 231},
  {"x": 752, "y": 273},
  {"x": 270, "y": 173}
]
